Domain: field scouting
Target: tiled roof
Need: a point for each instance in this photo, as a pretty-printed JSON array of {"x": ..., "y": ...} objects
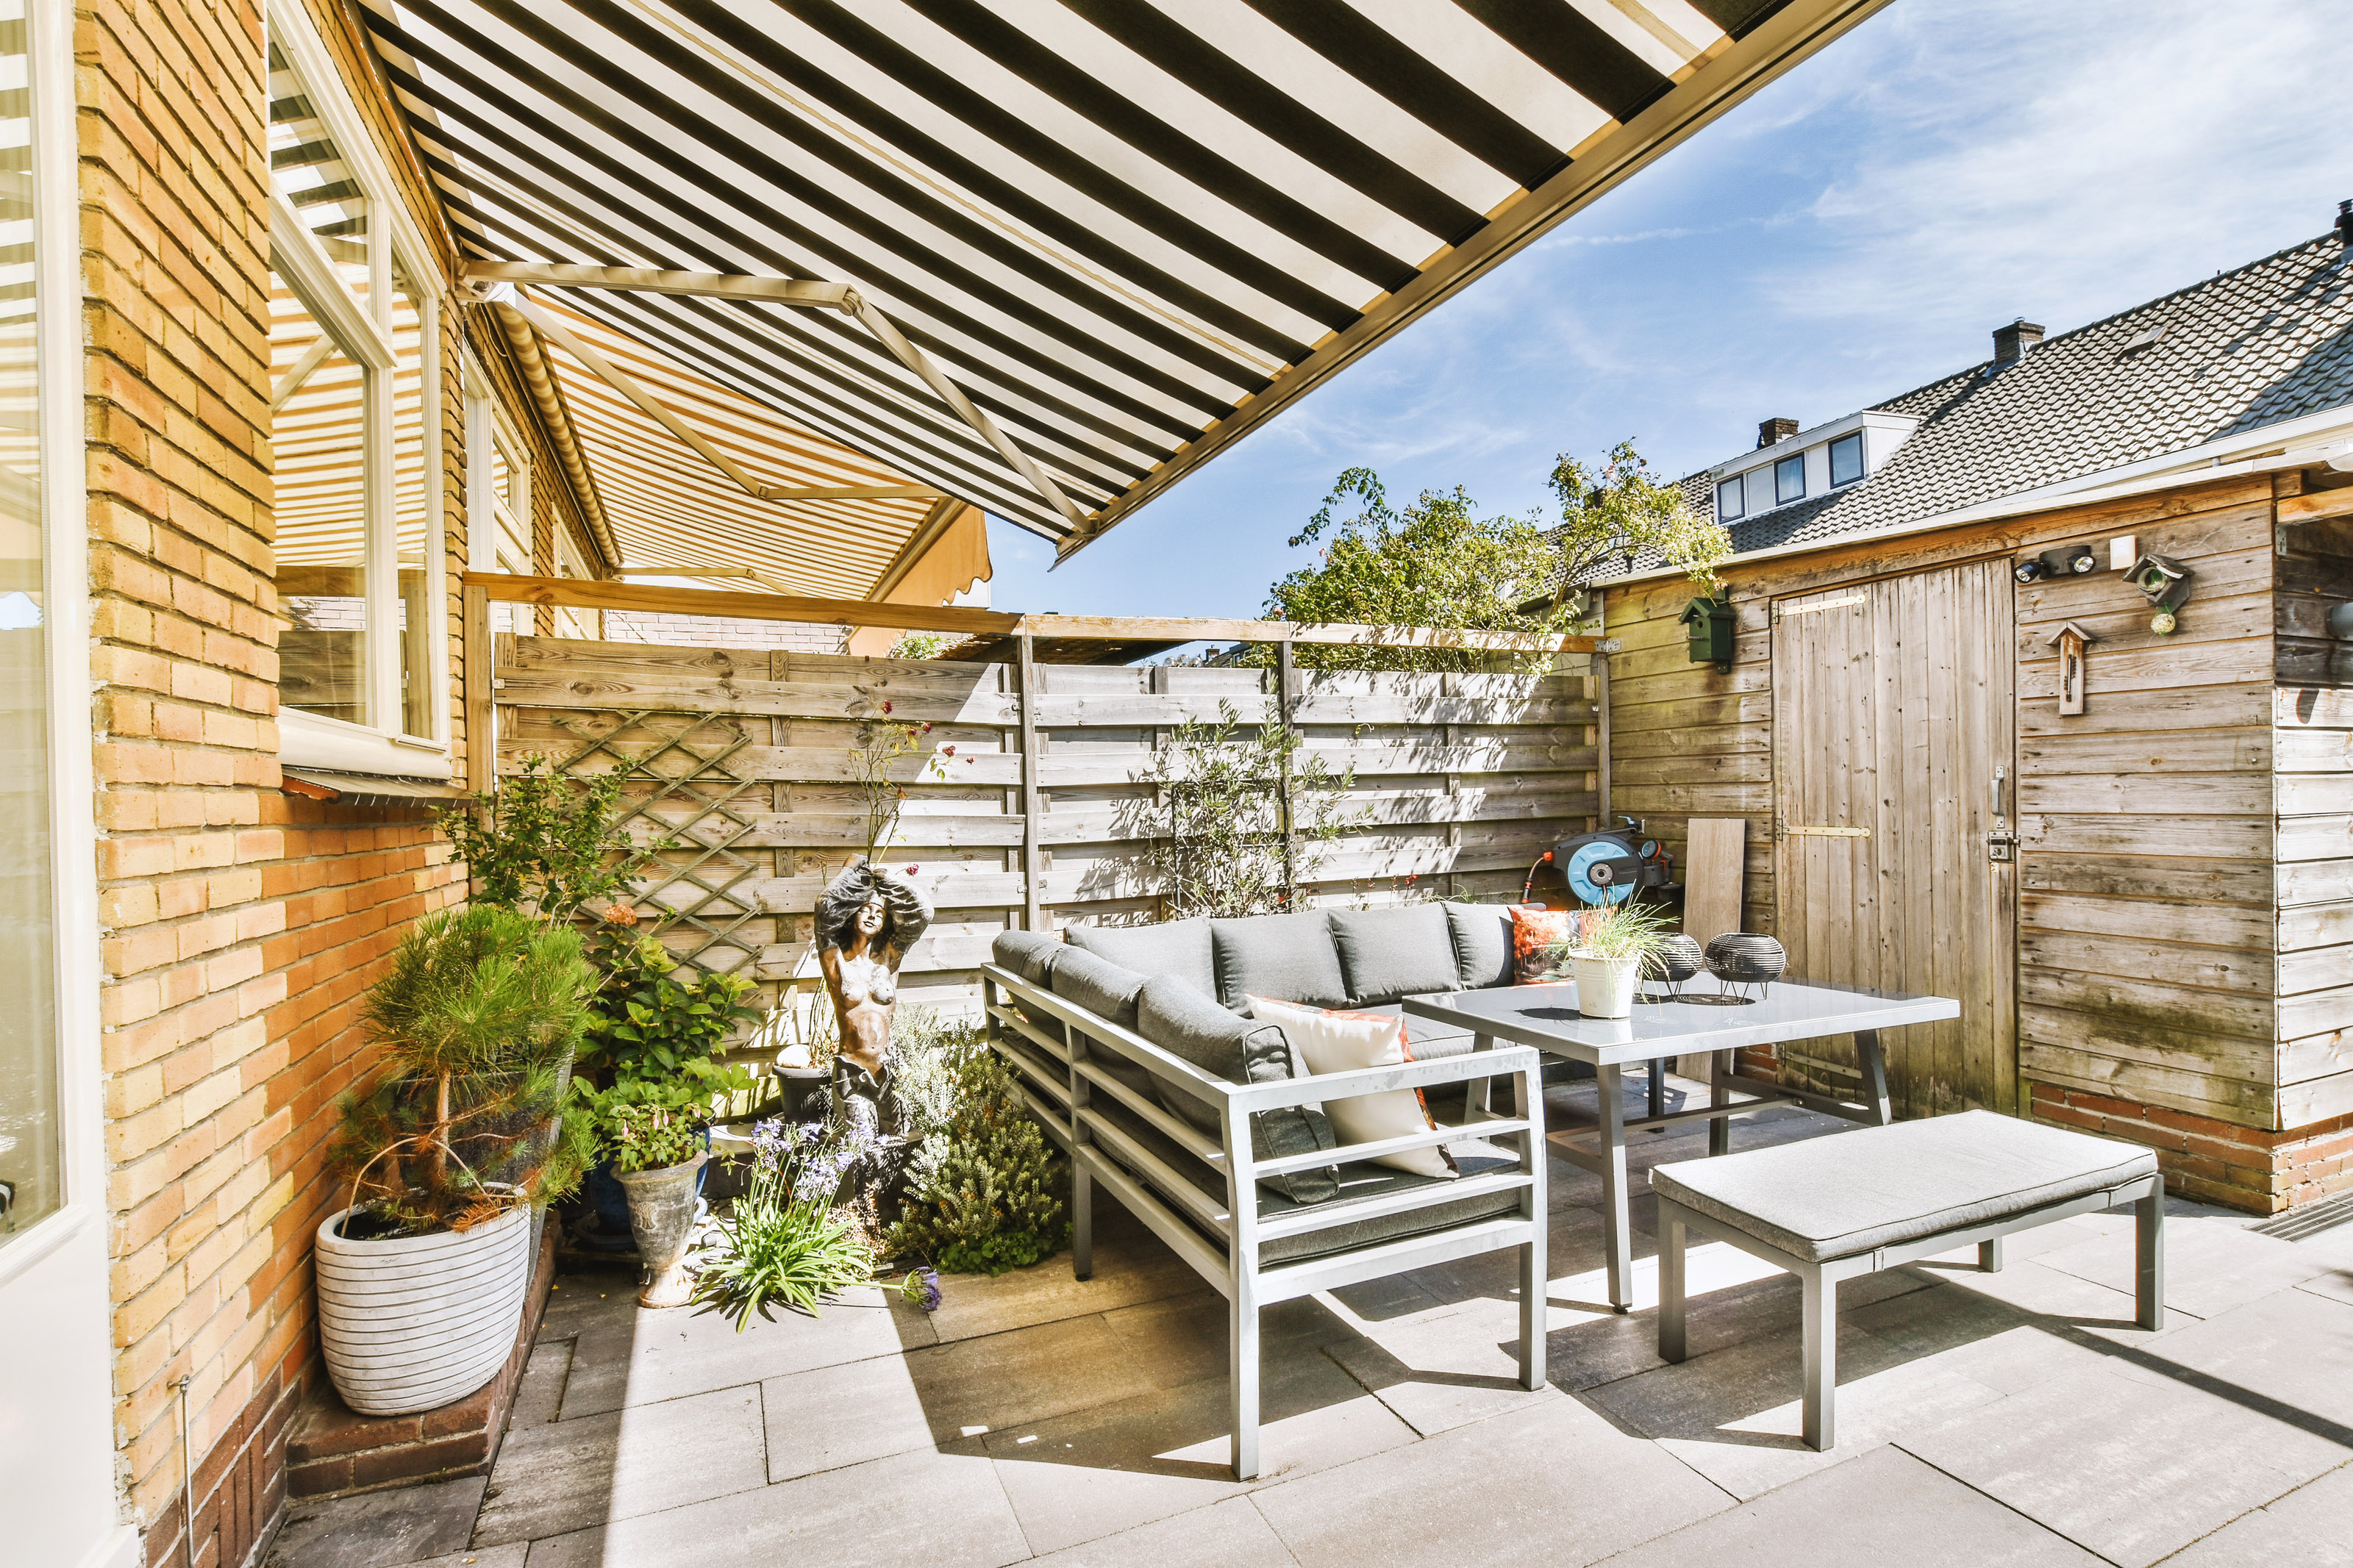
[{"x": 2270, "y": 341}]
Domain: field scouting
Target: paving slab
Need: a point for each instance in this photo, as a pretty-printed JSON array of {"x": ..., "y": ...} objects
[
  {"x": 943, "y": 1510},
  {"x": 2304, "y": 1528},
  {"x": 1557, "y": 1478},
  {"x": 1229, "y": 1534},
  {"x": 833, "y": 1415},
  {"x": 1132, "y": 1265},
  {"x": 1183, "y": 1340},
  {"x": 1441, "y": 1372},
  {"x": 539, "y": 1392},
  {"x": 2289, "y": 1354},
  {"x": 2210, "y": 1266},
  {"x": 514, "y": 1554},
  {"x": 2133, "y": 1469},
  {"x": 972, "y": 1387},
  {"x": 642, "y": 1459},
  {"x": 1876, "y": 1509},
  {"x": 2034, "y": 1288},
  {"x": 1101, "y": 1470},
  {"x": 1986, "y": 1340},
  {"x": 668, "y": 1354},
  {"x": 377, "y": 1530}
]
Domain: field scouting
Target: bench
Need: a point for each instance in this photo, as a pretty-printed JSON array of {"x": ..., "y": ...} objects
[{"x": 1839, "y": 1207}]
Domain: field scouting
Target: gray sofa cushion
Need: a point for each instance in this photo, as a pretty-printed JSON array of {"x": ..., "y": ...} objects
[
  {"x": 1483, "y": 945},
  {"x": 1386, "y": 954},
  {"x": 1185, "y": 1022},
  {"x": 1848, "y": 1193},
  {"x": 1099, "y": 986},
  {"x": 1029, "y": 954},
  {"x": 1180, "y": 947},
  {"x": 1288, "y": 957}
]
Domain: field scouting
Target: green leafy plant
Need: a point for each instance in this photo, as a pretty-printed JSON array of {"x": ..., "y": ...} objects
[
  {"x": 654, "y": 1020},
  {"x": 464, "y": 1115},
  {"x": 986, "y": 1194},
  {"x": 775, "y": 1247},
  {"x": 542, "y": 844},
  {"x": 650, "y": 1133},
  {"x": 1617, "y": 513},
  {"x": 1615, "y": 931},
  {"x": 1217, "y": 816},
  {"x": 918, "y": 645}
]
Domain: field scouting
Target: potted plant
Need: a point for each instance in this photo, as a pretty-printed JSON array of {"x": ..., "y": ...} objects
[
  {"x": 446, "y": 1147},
  {"x": 1606, "y": 956},
  {"x": 658, "y": 1135}
]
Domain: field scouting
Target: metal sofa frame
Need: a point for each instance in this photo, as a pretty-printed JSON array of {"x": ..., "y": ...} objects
[{"x": 1102, "y": 1152}]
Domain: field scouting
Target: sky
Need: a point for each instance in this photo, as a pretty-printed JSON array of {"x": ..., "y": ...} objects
[{"x": 1856, "y": 229}]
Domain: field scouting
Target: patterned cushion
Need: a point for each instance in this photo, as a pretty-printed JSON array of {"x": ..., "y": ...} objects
[
  {"x": 1389, "y": 953},
  {"x": 1180, "y": 947},
  {"x": 1533, "y": 932},
  {"x": 1289, "y": 956},
  {"x": 1483, "y": 945}
]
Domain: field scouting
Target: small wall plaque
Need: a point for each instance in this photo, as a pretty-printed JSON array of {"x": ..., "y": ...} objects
[{"x": 2070, "y": 640}]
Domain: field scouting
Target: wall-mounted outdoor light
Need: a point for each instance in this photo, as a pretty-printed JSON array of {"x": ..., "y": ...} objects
[
  {"x": 2164, "y": 583},
  {"x": 1708, "y": 624},
  {"x": 2065, "y": 561}
]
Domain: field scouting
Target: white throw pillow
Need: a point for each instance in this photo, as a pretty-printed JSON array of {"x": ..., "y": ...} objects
[{"x": 1331, "y": 1039}]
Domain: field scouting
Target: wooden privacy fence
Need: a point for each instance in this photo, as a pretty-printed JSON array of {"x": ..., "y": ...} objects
[{"x": 1017, "y": 813}]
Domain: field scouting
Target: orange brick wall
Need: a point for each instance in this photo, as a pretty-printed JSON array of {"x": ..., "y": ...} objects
[{"x": 2213, "y": 1160}]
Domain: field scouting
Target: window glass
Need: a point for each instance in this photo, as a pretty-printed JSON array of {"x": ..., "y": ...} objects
[
  {"x": 412, "y": 495},
  {"x": 31, "y": 1184},
  {"x": 1846, "y": 459},
  {"x": 305, "y": 165},
  {"x": 1728, "y": 500},
  {"x": 317, "y": 437},
  {"x": 1789, "y": 478}
]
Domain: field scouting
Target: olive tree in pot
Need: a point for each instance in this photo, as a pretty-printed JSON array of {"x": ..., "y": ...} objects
[{"x": 445, "y": 1148}]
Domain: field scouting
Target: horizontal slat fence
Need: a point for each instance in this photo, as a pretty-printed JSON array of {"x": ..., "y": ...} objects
[{"x": 745, "y": 757}]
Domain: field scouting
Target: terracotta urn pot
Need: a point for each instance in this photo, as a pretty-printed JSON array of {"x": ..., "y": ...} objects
[
  {"x": 661, "y": 1218},
  {"x": 415, "y": 1322}
]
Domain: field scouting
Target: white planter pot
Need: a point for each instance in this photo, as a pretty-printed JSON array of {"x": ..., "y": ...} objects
[
  {"x": 1605, "y": 986},
  {"x": 416, "y": 1322}
]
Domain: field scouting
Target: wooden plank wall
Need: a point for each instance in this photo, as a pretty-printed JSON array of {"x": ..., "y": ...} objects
[
  {"x": 2313, "y": 744},
  {"x": 1461, "y": 781},
  {"x": 2147, "y": 904}
]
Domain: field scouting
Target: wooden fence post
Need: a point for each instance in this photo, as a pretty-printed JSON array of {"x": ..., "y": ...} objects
[
  {"x": 1600, "y": 684},
  {"x": 1031, "y": 807}
]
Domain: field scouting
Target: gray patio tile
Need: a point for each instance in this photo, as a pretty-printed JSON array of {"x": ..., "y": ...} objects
[
  {"x": 2336, "y": 1282},
  {"x": 2304, "y": 1528},
  {"x": 1183, "y": 1340},
  {"x": 512, "y": 1555},
  {"x": 2210, "y": 1266},
  {"x": 1229, "y": 1534},
  {"x": 1876, "y": 1509},
  {"x": 833, "y": 1415},
  {"x": 539, "y": 1392},
  {"x": 2035, "y": 1288},
  {"x": 1556, "y": 1477},
  {"x": 943, "y": 1510},
  {"x": 642, "y": 1459},
  {"x": 672, "y": 1354},
  {"x": 1132, "y": 1265},
  {"x": 1734, "y": 1414},
  {"x": 1986, "y": 1340},
  {"x": 1078, "y": 1477},
  {"x": 377, "y": 1530},
  {"x": 1441, "y": 1372},
  {"x": 971, "y": 1386},
  {"x": 2128, "y": 1467},
  {"x": 588, "y": 1299},
  {"x": 2290, "y": 1353}
]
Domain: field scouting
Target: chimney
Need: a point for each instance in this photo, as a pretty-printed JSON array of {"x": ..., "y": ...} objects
[
  {"x": 2012, "y": 341},
  {"x": 2345, "y": 223},
  {"x": 1771, "y": 430}
]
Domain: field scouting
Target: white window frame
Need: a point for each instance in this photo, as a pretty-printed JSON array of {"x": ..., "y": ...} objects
[
  {"x": 362, "y": 330},
  {"x": 492, "y": 437}
]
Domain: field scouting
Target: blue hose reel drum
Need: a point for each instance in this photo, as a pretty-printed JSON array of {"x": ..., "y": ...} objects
[{"x": 1606, "y": 867}]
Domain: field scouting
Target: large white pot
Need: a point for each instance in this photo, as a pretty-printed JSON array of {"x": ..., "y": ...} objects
[
  {"x": 416, "y": 1322},
  {"x": 1605, "y": 986}
]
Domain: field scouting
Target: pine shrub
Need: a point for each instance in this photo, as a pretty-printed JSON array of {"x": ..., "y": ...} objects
[{"x": 986, "y": 1194}]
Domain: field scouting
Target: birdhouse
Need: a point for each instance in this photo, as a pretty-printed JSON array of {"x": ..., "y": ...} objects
[
  {"x": 2166, "y": 583},
  {"x": 1708, "y": 624},
  {"x": 2070, "y": 640}
]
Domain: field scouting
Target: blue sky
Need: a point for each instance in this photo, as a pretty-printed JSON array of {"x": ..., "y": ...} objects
[{"x": 1855, "y": 230}]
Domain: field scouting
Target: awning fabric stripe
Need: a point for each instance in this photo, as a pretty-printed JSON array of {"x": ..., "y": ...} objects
[{"x": 1125, "y": 229}]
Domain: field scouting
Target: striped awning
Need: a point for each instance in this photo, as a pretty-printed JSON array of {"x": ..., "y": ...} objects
[{"x": 1129, "y": 231}]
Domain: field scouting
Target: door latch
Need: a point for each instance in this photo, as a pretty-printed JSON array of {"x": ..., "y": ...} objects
[{"x": 2002, "y": 847}]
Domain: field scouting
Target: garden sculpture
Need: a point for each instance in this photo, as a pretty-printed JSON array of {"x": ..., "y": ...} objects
[{"x": 866, "y": 921}]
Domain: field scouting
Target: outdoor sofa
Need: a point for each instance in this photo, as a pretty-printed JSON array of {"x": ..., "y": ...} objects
[{"x": 1133, "y": 1046}]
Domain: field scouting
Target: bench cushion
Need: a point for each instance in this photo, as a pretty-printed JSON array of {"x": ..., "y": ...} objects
[
  {"x": 1850, "y": 1192},
  {"x": 1483, "y": 945},
  {"x": 1180, "y": 947},
  {"x": 1386, "y": 954},
  {"x": 1029, "y": 954},
  {"x": 1289, "y": 956},
  {"x": 1104, "y": 988}
]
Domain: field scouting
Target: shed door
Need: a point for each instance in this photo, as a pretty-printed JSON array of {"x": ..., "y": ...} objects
[{"x": 1893, "y": 714}]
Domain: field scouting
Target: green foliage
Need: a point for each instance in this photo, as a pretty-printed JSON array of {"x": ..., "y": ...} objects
[
  {"x": 987, "y": 1196},
  {"x": 928, "y": 1055},
  {"x": 1616, "y": 930},
  {"x": 540, "y": 843},
  {"x": 479, "y": 1019},
  {"x": 773, "y": 1248},
  {"x": 918, "y": 645},
  {"x": 1216, "y": 818},
  {"x": 650, "y": 1020},
  {"x": 650, "y": 1131},
  {"x": 1621, "y": 511},
  {"x": 1440, "y": 561}
]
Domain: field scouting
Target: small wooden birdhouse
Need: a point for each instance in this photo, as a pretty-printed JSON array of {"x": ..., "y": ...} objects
[
  {"x": 1708, "y": 624},
  {"x": 2070, "y": 640}
]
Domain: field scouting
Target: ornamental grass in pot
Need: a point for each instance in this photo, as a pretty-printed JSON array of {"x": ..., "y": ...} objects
[
  {"x": 1606, "y": 956},
  {"x": 445, "y": 1148}
]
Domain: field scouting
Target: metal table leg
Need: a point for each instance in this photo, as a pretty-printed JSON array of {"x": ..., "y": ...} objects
[
  {"x": 1719, "y": 1096},
  {"x": 1658, "y": 1077},
  {"x": 1874, "y": 1065},
  {"x": 1609, "y": 1093}
]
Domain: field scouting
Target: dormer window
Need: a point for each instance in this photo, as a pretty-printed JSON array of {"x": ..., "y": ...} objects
[
  {"x": 1728, "y": 499},
  {"x": 1846, "y": 459},
  {"x": 1789, "y": 480}
]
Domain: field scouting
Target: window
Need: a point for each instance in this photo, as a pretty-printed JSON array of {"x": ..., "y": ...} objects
[
  {"x": 1789, "y": 480},
  {"x": 498, "y": 499},
  {"x": 1846, "y": 459},
  {"x": 354, "y": 344},
  {"x": 1728, "y": 500},
  {"x": 569, "y": 562}
]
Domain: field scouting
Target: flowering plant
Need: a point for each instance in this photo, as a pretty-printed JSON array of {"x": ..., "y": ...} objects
[{"x": 779, "y": 1245}]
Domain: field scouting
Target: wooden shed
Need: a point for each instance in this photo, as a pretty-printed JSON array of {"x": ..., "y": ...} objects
[{"x": 2141, "y": 886}]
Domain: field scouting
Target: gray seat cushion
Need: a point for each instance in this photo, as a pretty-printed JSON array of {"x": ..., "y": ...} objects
[
  {"x": 1483, "y": 945},
  {"x": 1288, "y": 957},
  {"x": 1100, "y": 987},
  {"x": 1185, "y": 1022},
  {"x": 1389, "y": 953},
  {"x": 1180, "y": 947},
  {"x": 1029, "y": 954},
  {"x": 1850, "y": 1192}
]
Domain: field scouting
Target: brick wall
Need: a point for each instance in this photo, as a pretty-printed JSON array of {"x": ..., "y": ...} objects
[{"x": 2214, "y": 1162}]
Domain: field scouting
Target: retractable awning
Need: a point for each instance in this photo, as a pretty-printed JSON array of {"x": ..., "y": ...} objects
[{"x": 1127, "y": 232}]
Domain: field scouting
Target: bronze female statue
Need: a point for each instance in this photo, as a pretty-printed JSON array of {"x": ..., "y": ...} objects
[{"x": 866, "y": 921}]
